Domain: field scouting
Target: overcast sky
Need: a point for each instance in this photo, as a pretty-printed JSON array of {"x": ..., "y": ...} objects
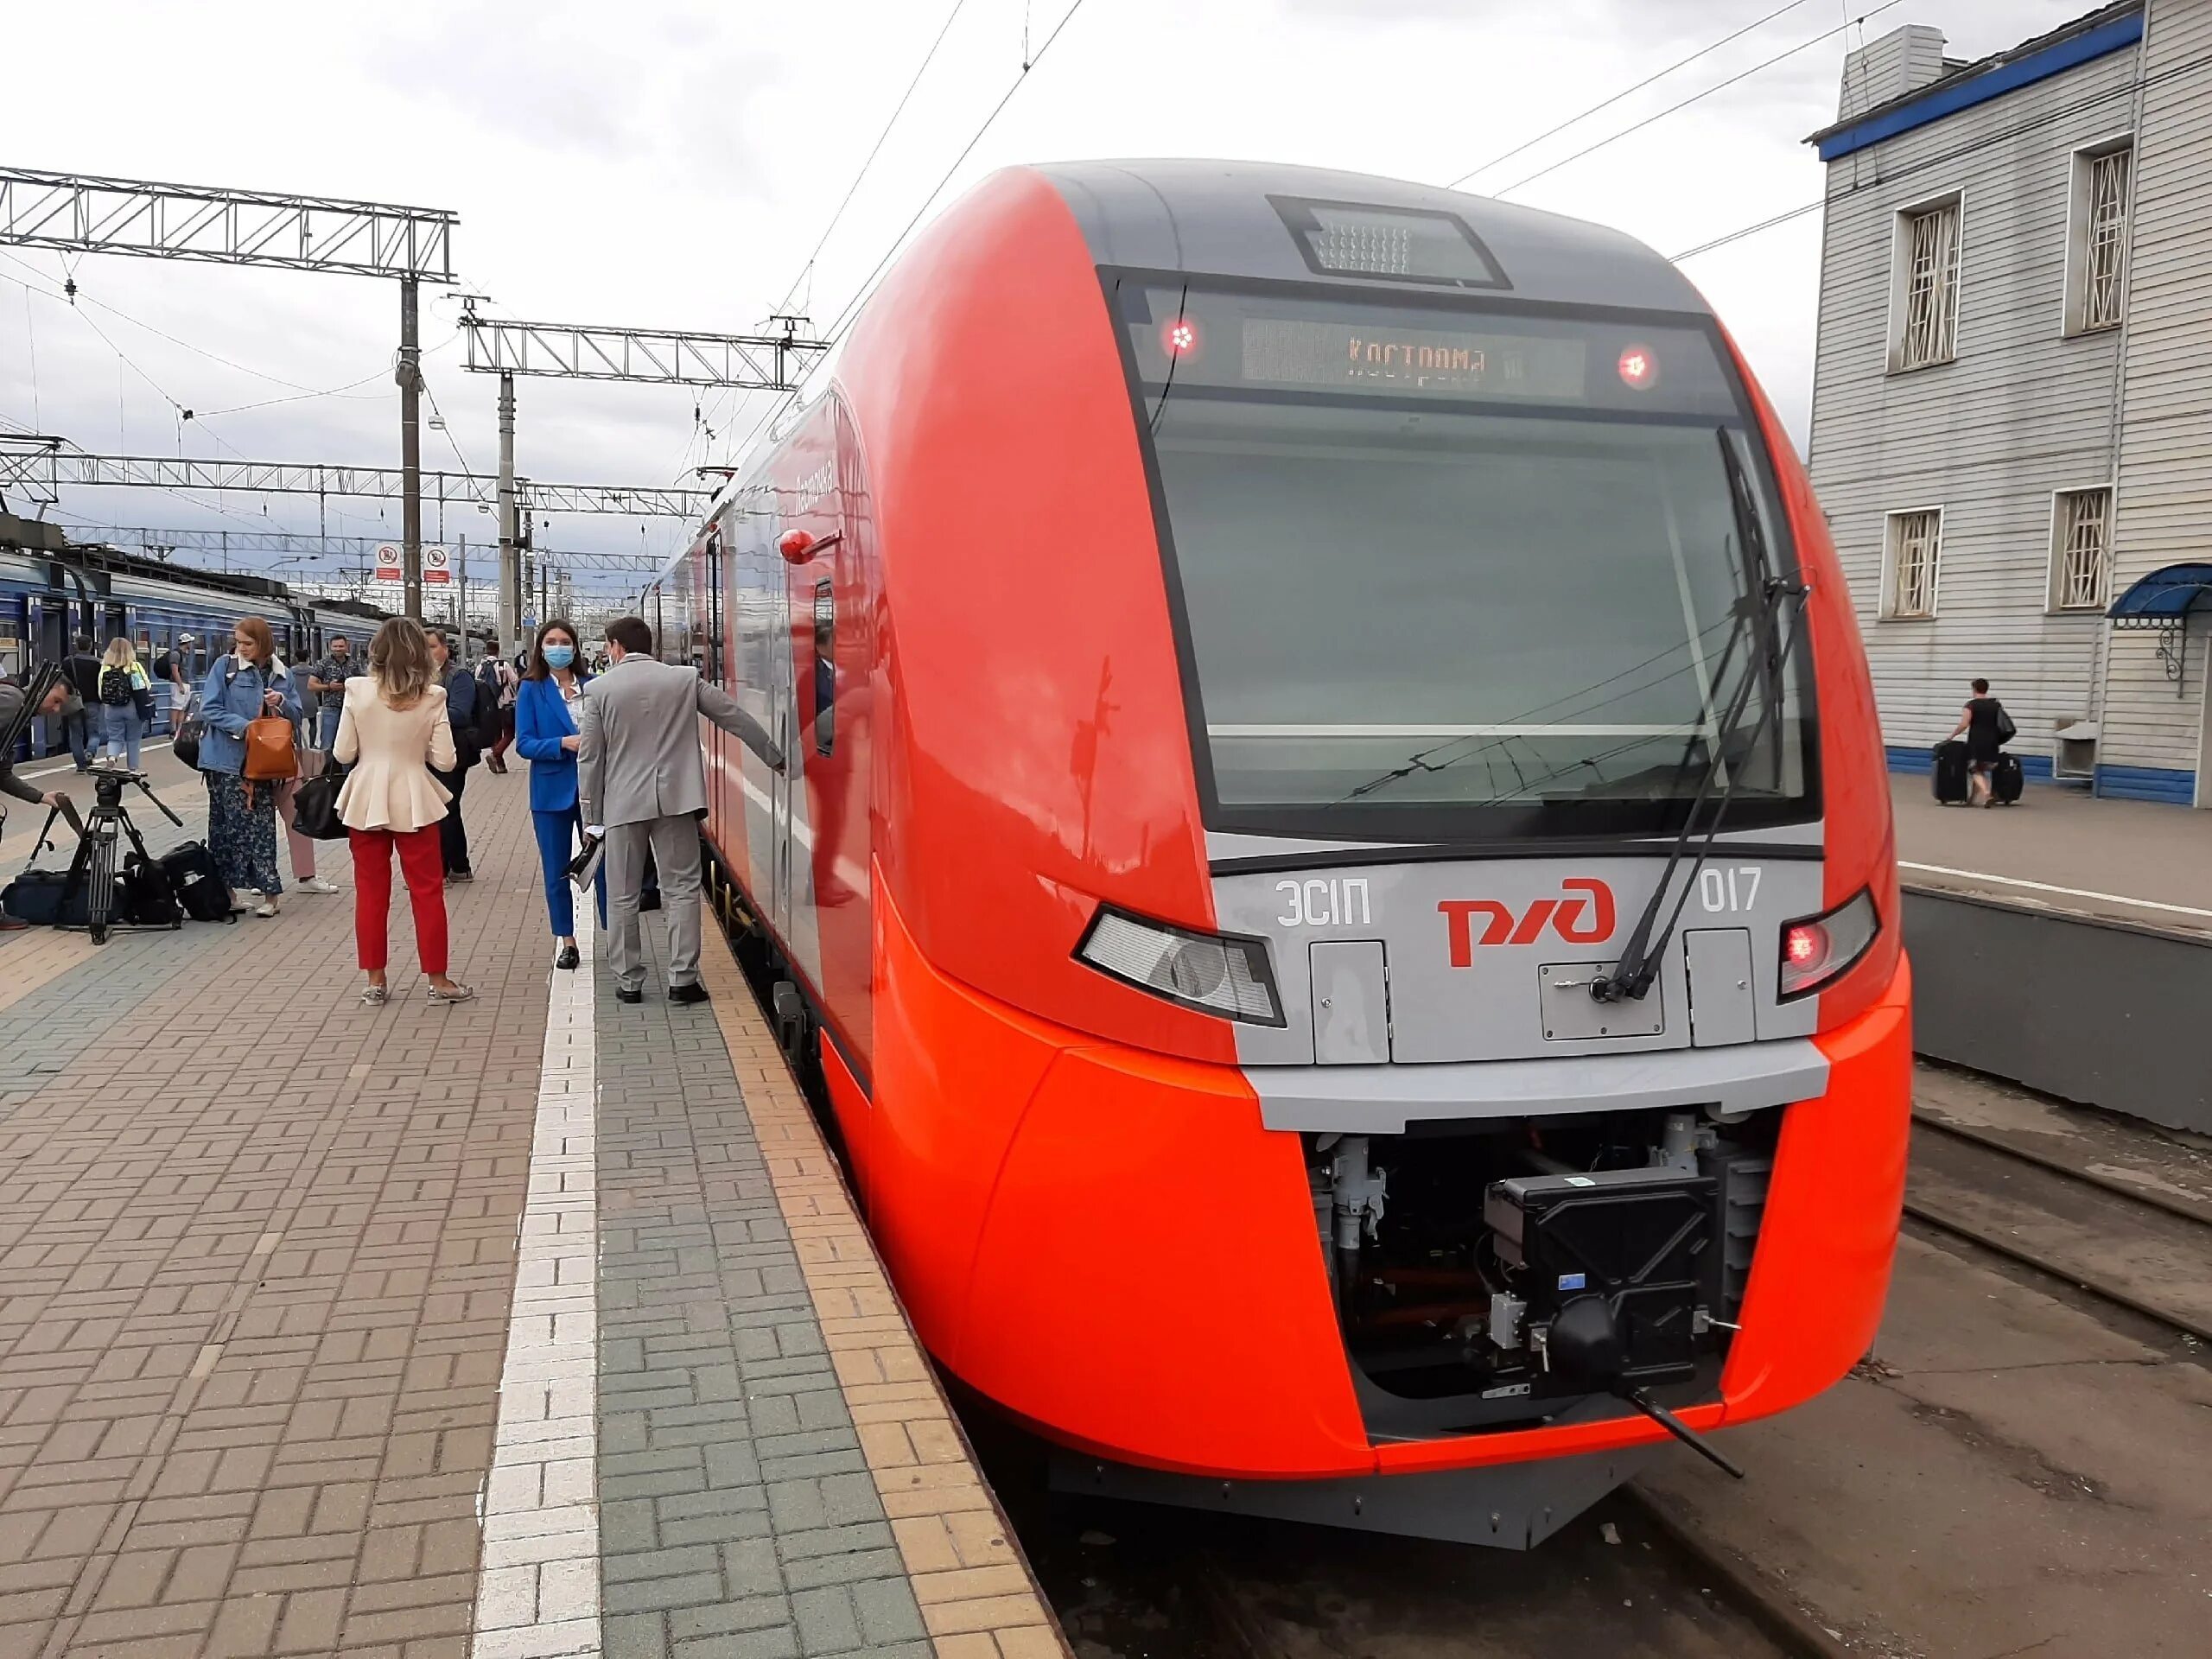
[{"x": 670, "y": 163}]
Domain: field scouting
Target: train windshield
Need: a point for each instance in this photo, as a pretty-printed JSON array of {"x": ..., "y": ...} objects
[{"x": 1456, "y": 571}]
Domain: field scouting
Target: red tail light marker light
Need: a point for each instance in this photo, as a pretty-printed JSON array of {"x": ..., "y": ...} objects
[{"x": 1818, "y": 950}]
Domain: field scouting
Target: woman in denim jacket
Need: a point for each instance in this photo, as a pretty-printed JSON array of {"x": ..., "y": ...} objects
[{"x": 241, "y": 687}]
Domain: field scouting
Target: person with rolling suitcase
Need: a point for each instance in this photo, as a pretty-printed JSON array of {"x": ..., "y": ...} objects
[{"x": 1987, "y": 728}]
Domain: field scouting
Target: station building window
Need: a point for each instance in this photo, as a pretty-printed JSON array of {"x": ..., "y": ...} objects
[
  {"x": 2097, "y": 249},
  {"x": 2081, "y": 550},
  {"x": 1924, "y": 285},
  {"x": 1915, "y": 545}
]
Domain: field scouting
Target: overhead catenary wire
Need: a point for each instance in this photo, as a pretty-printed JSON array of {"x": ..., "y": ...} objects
[
  {"x": 79, "y": 298},
  {"x": 875, "y": 150},
  {"x": 125, "y": 360},
  {"x": 1627, "y": 92},
  {"x": 867, "y": 284},
  {"x": 1945, "y": 158},
  {"x": 197, "y": 415},
  {"x": 835, "y": 332},
  {"x": 1759, "y": 68},
  {"x": 30, "y": 342},
  {"x": 701, "y": 424}
]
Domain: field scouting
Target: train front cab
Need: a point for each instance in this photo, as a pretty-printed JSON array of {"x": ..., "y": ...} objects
[{"x": 1260, "y": 769}]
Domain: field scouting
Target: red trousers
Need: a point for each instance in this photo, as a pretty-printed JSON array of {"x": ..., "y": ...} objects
[{"x": 421, "y": 860}]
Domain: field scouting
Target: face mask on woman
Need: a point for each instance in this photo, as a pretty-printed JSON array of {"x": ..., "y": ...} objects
[{"x": 560, "y": 655}]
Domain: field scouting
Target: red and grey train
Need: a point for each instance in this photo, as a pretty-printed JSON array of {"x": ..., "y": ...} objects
[{"x": 1333, "y": 846}]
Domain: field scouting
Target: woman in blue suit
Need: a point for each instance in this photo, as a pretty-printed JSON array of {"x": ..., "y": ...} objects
[{"x": 546, "y": 706}]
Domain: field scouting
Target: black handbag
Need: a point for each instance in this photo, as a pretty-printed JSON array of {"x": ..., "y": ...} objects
[
  {"x": 314, "y": 806},
  {"x": 186, "y": 744}
]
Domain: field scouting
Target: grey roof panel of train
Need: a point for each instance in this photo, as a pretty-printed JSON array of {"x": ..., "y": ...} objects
[{"x": 1223, "y": 218}]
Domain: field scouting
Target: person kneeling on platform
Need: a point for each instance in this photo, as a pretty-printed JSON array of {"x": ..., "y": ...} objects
[
  {"x": 643, "y": 784},
  {"x": 11, "y": 709}
]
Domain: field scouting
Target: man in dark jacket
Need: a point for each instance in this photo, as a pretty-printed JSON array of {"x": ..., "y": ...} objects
[
  {"x": 82, "y": 670},
  {"x": 11, "y": 709},
  {"x": 461, "y": 714}
]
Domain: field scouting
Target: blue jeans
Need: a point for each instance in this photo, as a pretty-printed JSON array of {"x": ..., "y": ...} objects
[
  {"x": 77, "y": 729},
  {"x": 326, "y": 727},
  {"x": 119, "y": 732},
  {"x": 558, "y": 835}
]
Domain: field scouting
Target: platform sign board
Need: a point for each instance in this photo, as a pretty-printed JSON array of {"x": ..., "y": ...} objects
[
  {"x": 387, "y": 563},
  {"x": 435, "y": 568}
]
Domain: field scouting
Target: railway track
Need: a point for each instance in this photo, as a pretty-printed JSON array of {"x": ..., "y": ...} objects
[
  {"x": 2139, "y": 1248},
  {"x": 1129, "y": 1582}
]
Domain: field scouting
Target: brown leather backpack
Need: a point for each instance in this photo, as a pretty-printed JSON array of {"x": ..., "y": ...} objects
[{"x": 268, "y": 755}]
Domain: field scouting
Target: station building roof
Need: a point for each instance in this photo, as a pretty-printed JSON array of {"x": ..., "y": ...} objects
[{"x": 2107, "y": 29}]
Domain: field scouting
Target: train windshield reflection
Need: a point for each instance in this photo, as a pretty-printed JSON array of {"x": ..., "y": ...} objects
[{"x": 1436, "y": 611}]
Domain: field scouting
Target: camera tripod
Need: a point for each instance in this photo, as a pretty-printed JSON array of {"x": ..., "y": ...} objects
[{"x": 95, "y": 861}]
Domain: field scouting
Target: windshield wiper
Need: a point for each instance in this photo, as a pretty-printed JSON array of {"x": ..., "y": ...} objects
[{"x": 1759, "y": 616}]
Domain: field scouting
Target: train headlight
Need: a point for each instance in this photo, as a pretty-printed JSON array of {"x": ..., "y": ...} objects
[
  {"x": 1818, "y": 948},
  {"x": 1207, "y": 972}
]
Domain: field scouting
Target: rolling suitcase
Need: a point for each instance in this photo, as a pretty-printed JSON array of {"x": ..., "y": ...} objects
[
  {"x": 199, "y": 886},
  {"x": 2005, "y": 780},
  {"x": 1950, "y": 775}
]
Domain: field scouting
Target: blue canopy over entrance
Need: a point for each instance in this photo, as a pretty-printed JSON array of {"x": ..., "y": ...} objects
[{"x": 2164, "y": 598}]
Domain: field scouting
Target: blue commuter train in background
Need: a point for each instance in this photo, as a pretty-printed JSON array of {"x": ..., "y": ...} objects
[{"x": 52, "y": 590}]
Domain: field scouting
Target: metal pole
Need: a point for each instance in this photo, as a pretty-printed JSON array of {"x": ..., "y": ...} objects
[
  {"x": 409, "y": 376},
  {"x": 510, "y": 568},
  {"x": 461, "y": 597}
]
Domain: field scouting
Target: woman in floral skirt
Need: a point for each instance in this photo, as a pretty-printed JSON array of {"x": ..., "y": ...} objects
[{"x": 241, "y": 687}]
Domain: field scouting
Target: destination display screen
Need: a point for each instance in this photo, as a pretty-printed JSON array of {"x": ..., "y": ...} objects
[
  {"x": 1268, "y": 341},
  {"x": 1459, "y": 363}
]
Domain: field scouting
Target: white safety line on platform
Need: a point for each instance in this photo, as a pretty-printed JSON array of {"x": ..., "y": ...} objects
[
  {"x": 538, "y": 1591},
  {"x": 2045, "y": 886},
  {"x": 48, "y": 771}
]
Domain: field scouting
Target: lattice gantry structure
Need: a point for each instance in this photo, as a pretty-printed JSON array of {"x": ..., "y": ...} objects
[
  {"x": 78, "y": 214},
  {"x": 765, "y": 362},
  {"x": 39, "y": 468}
]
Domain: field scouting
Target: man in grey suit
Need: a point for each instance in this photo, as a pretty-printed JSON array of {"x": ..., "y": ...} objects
[{"x": 640, "y": 782}]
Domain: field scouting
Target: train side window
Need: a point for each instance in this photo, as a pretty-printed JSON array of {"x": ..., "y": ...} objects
[
  {"x": 713, "y": 668},
  {"x": 825, "y": 669}
]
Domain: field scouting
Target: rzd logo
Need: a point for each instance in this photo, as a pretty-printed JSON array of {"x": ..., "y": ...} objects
[{"x": 1564, "y": 916}]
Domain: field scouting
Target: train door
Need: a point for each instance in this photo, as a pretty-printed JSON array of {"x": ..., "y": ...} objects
[
  {"x": 49, "y": 628},
  {"x": 15, "y": 652},
  {"x": 713, "y": 667},
  {"x": 783, "y": 727},
  {"x": 15, "y": 655}
]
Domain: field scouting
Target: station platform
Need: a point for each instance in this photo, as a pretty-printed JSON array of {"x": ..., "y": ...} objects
[
  {"x": 2061, "y": 944},
  {"x": 2059, "y": 849},
  {"x": 537, "y": 1325}
]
